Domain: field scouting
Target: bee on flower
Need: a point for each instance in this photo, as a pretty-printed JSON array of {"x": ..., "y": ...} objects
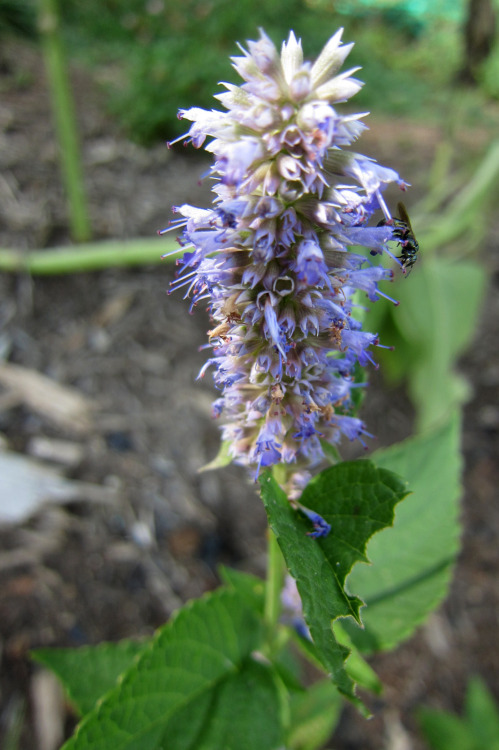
[{"x": 272, "y": 256}]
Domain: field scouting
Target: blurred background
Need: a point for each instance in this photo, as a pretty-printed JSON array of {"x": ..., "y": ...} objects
[{"x": 106, "y": 524}]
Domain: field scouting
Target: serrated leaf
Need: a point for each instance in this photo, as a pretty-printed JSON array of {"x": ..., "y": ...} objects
[
  {"x": 179, "y": 674},
  {"x": 412, "y": 563},
  {"x": 357, "y": 499},
  {"x": 321, "y": 595},
  {"x": 314, "y": 715},
  {"x": 89, "y": 672},
  {"x": 358, "y": 669}
]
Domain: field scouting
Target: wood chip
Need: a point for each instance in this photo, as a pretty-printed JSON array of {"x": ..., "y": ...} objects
[
  {"x": 64, "y": 452},
  {"x": 48, "y": 701},
  {"x": 63, "y": 406},
  {"x": 114, "y": 309},
  {"x": 26, "y": 484}
]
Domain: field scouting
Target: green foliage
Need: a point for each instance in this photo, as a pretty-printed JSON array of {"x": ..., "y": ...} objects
[
  {"x": 439, "y": 331},
  {"x": 482, "y": 715},
  {"x": 490, "y": 74},
  {"x": 89, "y": 672},
  {"x": 18, "y": 17},
  {"x": 405, "y": 69},
  {"x": 249, "y": 587},
  {"x": 412, "y": 562},
  {"x": 429, "y": 336},
  {"x": 478, "y": 730},
  {"x": 356, "y": 666},
  {"x": 172, "y": 55},
  {"x": 157, "y": 57},
  {"x": 357, "y": 499},
  {"x": 185, "y": 686},
  {"x": 314, "y": 715},
  {"x": 216, "y": 659},
  {"x": 441, "y": 301}
]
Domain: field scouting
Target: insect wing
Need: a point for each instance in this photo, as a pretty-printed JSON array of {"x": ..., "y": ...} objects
[{"x": 404, "y": 216}]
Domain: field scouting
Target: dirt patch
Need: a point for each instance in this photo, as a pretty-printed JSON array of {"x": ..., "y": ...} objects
[{"x": 108, "y": 569}]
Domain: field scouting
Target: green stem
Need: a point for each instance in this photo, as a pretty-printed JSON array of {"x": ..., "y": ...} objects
[
  {"x": 65, "y": 120},
  {"x": 273, "y": 586},
  {"x": 90, "y": 257}
]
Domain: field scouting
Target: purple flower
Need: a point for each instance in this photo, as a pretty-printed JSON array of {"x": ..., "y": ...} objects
[
  {"x": 273, "y": 259},
  {"x": 292, "y": 608},
  {"x": 321, "y": 526},
  {"x": 309, "y": 264}
]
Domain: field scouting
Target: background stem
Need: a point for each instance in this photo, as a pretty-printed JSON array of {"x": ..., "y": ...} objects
[
  {"x": 64, "y": 117},
  {"x": 89, "y": 257}
]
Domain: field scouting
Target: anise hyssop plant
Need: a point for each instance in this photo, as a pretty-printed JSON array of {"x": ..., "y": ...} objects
[{"x": 273, "y": 260}]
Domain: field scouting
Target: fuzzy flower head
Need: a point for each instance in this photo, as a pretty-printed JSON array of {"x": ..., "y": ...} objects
[{"x": 272, "y": 256}]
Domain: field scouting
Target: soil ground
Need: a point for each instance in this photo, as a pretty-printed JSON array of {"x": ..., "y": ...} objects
[{"x": 105, "y": 569}]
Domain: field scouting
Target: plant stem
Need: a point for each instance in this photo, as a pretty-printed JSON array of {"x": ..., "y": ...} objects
[
  {"x": 273, "y": 585},
  {"x": 90, "y": 257},
  {"x": 64, "y": 116}
]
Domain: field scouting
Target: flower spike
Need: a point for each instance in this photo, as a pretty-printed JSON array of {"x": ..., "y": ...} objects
[{"x": 273, "y": 258}]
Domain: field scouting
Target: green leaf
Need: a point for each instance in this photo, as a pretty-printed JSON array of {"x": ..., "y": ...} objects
[
  {"x": 171, "y": 694},
  {"x": 315, "y": 714},
  {"x": 439, "y": 331},
  {"x": 482, "y": 715},
  {"x": 330, "y": 451},
  {"x": 428, "y": 338},
  {"x": 443, "y": 731},
  {"x": 89, "y": 672},
  {"x": 436, "y": 396},
  {"x": 322, "y": 596},
  {"x": 355, "y": 666},
  {"x": 395, "y": 364},
  {"x": 357, "y": 499},
  {"x": 412, "y": 563},
  {"x": 250, "y": 588},
  {"x": 358, "y": 669},
  {"x": 287, "y": 667},
  {"x": 245, "y": 712},
  {"x": 453, "y": 292},
  {"x": 241, "y": 713},
  {"x": 478, "y": 731}
]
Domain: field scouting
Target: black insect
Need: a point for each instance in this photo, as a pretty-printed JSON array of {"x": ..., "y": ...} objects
[
  {"x": 407, "y": 240},
  {"x": 404, "y": 234}
]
